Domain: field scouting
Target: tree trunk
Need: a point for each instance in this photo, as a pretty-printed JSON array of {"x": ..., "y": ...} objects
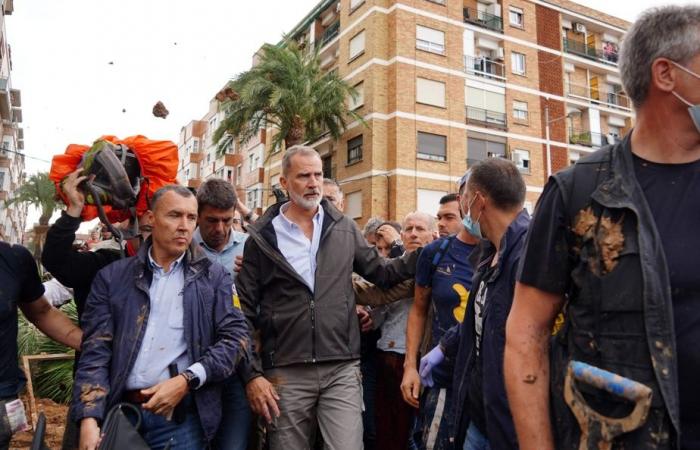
[
  {"x": 39, "y": 239},
  {"x": 296, "y": 133}
]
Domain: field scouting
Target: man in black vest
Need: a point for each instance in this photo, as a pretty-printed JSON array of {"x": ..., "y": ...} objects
[{"x": 616, "y": 238}]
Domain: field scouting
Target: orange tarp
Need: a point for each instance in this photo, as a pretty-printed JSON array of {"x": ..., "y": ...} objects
[{"x": 158, "y": 160}]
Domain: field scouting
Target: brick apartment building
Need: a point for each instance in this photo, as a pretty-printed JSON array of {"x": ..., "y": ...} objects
[
  {"x": 443, "y": 84},
  {"x": 12, "y": 218}
]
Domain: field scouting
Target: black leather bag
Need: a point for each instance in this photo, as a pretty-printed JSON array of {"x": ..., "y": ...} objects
[{"x": 118, "y": 431}]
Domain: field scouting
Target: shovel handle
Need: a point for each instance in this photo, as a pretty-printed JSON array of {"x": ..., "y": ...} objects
[{"x": 608, "y": 381}]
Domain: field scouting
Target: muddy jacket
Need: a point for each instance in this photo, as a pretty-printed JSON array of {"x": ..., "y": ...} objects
[
  {"x": 619, "y": 316},
  {"x": 300, "y": 326},
  {"x": 115, "y": 321},
  {"x": 458, "y": 341}
]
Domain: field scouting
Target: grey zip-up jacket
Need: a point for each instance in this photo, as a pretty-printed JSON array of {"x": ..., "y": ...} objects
[{"x": 295, "y": 324}]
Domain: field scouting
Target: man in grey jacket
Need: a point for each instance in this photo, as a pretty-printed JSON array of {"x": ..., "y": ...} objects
[{"x": 296, "y": 290}]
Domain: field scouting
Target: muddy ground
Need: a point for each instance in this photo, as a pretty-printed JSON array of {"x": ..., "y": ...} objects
[{"x": 55, "y": 424}]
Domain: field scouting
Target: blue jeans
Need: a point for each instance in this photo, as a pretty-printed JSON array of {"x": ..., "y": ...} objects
[
  {"x": 159, "y": 432},
  {"x": 235, "y": 416},
  {"x": 475, "y": 440}
]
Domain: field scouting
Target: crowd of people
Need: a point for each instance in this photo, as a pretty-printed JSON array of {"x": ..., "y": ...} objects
[{"x": 298, "y": 330}]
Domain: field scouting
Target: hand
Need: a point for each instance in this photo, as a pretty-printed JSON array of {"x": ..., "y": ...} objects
[
  {"x": 240, "y": 206},
  {"x": 89, "y": 434},
  {"x": 76, "y": 199},
  {"x": 165, "y": 395},
  {"x": 410, "y": 386},
  {"x": 263, "y": 398},
  {"x": 427, "y": 363},
  {"x": 238, "y": 263},
  {"x": 366, "y": 323},
  {"x": 387, "y": 233}
]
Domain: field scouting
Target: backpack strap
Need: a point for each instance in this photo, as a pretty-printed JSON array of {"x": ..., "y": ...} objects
[{"x": 437, "y": 257}]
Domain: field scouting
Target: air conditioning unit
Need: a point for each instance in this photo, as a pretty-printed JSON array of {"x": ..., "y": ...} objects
[
  {"x": 580, "y": 28},
  {"x": 337, "y": 7},
  {"x": 500, "y": 53}
]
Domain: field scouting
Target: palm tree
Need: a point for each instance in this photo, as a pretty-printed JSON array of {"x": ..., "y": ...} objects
[
  {"x": 287, "y": 89},
  {"x": 38, "y": 191}
]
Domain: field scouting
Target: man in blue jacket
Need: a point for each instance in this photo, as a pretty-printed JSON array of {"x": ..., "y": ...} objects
[
  {"x": 495, "y": 194},
  {"x": 167, "y": 308}
]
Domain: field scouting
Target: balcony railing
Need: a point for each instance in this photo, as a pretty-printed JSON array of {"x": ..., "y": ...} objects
[
  {"x": 330, "y": 33},
  {"x": 608, "y": 55},
  {"x": 599, "y": 95},
  {"x": 486, "y": 117},
  {"x": 483, "y": 19},
  {"x": 590, "y": 139},
  {"x": 484, "y": 67}
]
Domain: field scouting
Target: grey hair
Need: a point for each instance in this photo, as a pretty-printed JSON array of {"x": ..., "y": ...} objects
[
  {"x": 182, "y": 191},
  {"x": 429, "y": 220},
  {"x": 302, "y": 150},
  {"x": 371, "y": 226},
  {"x": 329, "y": 182},
  {"x": 671, "y": 32}
]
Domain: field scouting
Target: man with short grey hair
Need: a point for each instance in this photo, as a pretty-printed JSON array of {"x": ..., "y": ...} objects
[
  {"x": 613, "y": 236},
  {"x": 296, "y": 290}
]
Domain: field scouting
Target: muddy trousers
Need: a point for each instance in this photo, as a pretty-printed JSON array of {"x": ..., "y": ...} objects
[
  {"x": 394, "y": 417},
  {"x": 329, "y": 394}
]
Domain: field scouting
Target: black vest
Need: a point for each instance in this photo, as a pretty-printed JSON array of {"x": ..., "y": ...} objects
[{"x": 619, "y": 314}]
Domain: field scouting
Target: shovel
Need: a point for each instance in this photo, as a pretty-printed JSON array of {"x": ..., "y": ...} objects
[{"x": 597, "y": 430}]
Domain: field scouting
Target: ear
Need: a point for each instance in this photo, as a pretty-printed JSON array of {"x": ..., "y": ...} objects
[
  {"x": 664, "y": 75},
  {"x": 283, "y": 182}
]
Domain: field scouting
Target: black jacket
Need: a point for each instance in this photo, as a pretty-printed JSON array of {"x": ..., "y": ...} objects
[
  {"x": 72, "y": 268},
  {"x": 295, "y": 324}
]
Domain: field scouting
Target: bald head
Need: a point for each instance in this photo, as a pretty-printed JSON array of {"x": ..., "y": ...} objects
[{"x": 419, "y": 229}]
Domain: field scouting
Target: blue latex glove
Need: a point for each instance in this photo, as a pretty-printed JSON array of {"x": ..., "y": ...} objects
[{"x": 428, "y": 363}]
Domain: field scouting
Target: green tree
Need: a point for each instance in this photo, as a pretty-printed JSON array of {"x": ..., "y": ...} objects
[
  {"x": 287, "y": 89},
  {"x": 38, "y": 191}
]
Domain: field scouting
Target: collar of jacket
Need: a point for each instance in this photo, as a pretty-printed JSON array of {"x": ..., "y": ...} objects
[
  {"x": 195, "y": 259},
  {"x": 515, "y": 231}
]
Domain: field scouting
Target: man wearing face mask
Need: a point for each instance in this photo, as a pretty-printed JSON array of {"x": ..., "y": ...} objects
[
  {"x": 616, "y": 235},
  {"x": 495, "y": 194}
]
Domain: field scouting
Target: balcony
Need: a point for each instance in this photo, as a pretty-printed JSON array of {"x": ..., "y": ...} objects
[
  {"x": 590, "y": 139},
  {"x": 599, "y": 95},
  {"x": 484, "y": 67},
  {"x": 483, "y": 19},
  {"x": 486, "y": 118},
  {"x": 330, "y": 33},
  {"x": 254, "y": 177},
  {"x": 608, "y": 55}
]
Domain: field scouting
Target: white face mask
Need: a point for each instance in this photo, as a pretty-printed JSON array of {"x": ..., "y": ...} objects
[{"x": 693, "y": 110}]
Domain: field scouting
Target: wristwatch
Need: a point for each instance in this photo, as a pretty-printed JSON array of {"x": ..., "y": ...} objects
[{"x": 191, "y": 378}]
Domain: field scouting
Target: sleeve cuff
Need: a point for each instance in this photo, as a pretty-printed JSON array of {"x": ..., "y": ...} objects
[{"x": 198, "y": 369}]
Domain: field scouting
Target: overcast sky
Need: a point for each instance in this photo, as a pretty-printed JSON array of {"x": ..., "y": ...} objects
[{"x": 93, "y": 67}]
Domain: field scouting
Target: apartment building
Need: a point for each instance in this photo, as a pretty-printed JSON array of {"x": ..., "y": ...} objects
[
  {"x": 446, "y": 83},
  {"x": 12, "y": 218}
]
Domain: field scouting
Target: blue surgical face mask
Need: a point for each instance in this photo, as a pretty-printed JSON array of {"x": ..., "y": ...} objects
[
  {"x": 693, "y": 110},
  {"x": 470, "y": 225}
]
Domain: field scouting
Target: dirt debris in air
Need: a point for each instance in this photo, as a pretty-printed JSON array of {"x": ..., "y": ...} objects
[{"x": 159, "y": 110}]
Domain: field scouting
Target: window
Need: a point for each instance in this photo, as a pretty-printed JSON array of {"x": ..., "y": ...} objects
[
  {"x": 430, "y": 92},
  {"x": 432, "y": 146},
  {"x": 357, "y": 45},
  {"x": 520, "y": 111},
  {"x": 439, "y": 2},
  {"x": 486, "y": 106},
  {"x": 517, "y": 63},
  {"x": 354, "y": 4},
  {"x": 430, "y": 40},
  {"x": 195, "y": 145},
  {"x": 360, "y": 99},
  {"x": 229, "y": 176},
  {"x": 516, "y": 17},
  {"x": 521, "y": 158},
  {"x": 238, "y": 172},
  {"x": 327, "y": 167},
  {"x": 429, "y": 200},
  {"x": 208, "y": 157},
  {"x": 480, "y": 149},
  {"x": 355, "y": 149},
  {"x": 353, "y": 205}
]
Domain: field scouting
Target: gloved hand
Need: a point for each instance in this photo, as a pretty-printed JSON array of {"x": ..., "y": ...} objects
[{"x": 427, "y": 363}]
